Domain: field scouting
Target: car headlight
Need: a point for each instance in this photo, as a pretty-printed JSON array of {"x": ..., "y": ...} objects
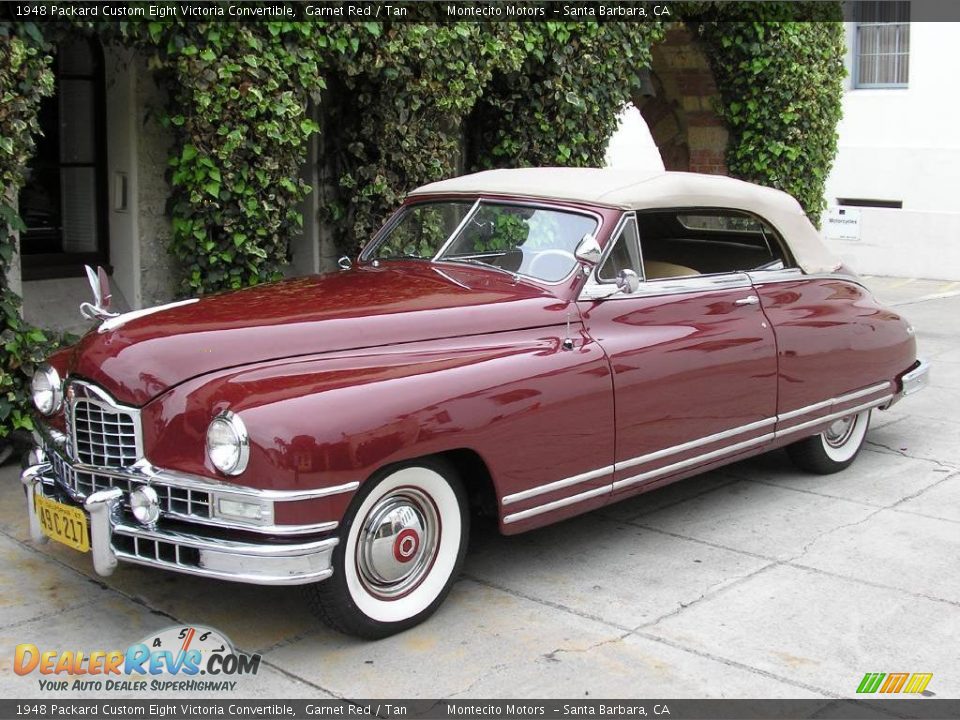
[
  {"x": 47, "y": 390},
  {"x": 228, "y": 444}
]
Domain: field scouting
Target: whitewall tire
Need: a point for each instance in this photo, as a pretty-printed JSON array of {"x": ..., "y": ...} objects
[
  {"x": 833, "y": 449},
  {"x": 402, "y": 544}
]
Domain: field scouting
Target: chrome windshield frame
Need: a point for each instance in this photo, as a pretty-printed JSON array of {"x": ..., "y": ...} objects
[{"x": 480, "y": 200}]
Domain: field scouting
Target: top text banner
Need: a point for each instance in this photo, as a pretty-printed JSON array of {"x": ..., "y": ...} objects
[{"x": 318, "y": 11}]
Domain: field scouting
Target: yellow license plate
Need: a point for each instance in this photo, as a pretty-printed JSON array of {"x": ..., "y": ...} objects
[{"x": 63, "y": 523}]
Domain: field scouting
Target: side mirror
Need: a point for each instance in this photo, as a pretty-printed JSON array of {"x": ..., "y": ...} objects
[
  {"x": 588, "y": 251},
  {"x": 345, "y": 263},
  {"x": 628, "y": 282},
  {"x": 100, "y": 287}
]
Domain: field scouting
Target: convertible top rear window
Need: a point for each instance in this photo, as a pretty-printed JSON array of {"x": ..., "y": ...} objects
[{"x": 722, "y": 222}]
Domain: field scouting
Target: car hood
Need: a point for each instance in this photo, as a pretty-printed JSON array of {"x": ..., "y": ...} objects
[{"x": 137, "y": 357}]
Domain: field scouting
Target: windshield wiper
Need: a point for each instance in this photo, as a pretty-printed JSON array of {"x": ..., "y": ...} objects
[{"x": 481, "y": 263}]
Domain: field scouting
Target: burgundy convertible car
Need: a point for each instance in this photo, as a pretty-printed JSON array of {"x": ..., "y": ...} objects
[{"x": 530, "y": 344}]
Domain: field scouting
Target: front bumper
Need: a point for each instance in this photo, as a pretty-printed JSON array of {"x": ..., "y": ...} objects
[{"x": 114, "y": 539}]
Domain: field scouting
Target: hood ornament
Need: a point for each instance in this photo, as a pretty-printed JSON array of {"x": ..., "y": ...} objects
[{"x": 100, "y": 285}]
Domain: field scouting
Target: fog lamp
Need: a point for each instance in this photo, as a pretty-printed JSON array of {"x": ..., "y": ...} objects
[{"x": 145, "y": 505}]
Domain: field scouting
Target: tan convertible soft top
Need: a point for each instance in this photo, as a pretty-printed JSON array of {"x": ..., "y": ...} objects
[{"x": 634, "y": 189}]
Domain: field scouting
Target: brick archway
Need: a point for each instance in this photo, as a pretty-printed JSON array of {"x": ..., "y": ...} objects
[{"x": 678, "y": 106}]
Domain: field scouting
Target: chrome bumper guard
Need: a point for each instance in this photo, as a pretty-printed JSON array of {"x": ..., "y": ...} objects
[
  {"x": 113, "y": 539},
  {"x": 915, "y": 379}
]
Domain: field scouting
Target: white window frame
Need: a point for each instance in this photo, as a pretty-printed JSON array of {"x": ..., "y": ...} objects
[{"x": 898, "y": 56}]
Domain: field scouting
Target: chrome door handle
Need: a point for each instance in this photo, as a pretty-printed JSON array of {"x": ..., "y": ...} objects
[{"x": 748, "y": 300}]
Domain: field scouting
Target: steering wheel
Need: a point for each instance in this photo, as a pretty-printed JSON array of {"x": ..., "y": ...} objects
[{"x": 545, "y": 257}]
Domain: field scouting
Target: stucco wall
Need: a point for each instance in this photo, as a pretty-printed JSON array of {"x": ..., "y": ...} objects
[
  {"x": 902, "y": 144},
  {"x": 120, "y": 79},
  {"x": 158, "y": 269},
  {"x": 904, "y": 243}
]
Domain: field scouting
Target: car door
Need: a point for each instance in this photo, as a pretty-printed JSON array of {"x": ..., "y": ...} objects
[{"x": 693, "y": 359}]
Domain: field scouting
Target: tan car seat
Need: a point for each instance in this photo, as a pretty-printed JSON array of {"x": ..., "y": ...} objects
[{"x": 654, "y": 269}]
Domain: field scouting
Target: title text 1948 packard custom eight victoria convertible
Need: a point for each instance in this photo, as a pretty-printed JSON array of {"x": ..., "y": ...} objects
[{"x": 531, "y": 344}]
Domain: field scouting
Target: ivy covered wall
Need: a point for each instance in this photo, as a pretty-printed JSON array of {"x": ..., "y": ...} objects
[
  {"x": 781, "y": 86},
  {"x": 404, "y": 104},
  {"x": 25, "y": 79}
]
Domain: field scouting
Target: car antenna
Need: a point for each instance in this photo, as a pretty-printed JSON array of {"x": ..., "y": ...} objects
[{"x": 568, "y": 341}]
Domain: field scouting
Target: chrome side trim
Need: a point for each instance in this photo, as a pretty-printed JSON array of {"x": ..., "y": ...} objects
[
  {"x": 697, "y": 460},
  {"x": 556, "y": 504},
  {"x": 112, "y": 323},
  {"x": 716, "y": 437},
  {"x": 188, "y": 481},
  {"x": 834, "y": 416},
  {"x": 558, "y": 485},
  {"x": 690, "y": 462},
  {"x": 695, "y": 283},
  {"x": 678, "y": 286},
  {"x": 833, "y": 401},
  {"x": 765, "y": 277}
]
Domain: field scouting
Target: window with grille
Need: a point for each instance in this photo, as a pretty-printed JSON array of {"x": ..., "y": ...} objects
[{"x": 882, "y": 56}]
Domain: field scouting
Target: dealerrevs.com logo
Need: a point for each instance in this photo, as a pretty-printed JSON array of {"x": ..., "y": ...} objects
[{"x": 178, "y": 658}]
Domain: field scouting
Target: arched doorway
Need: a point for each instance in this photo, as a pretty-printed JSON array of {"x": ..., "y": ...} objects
[{"x": 677, "y": 101}]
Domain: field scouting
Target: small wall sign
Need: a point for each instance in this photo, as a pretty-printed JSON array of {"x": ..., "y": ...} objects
[{"x": 842, "y": 223}]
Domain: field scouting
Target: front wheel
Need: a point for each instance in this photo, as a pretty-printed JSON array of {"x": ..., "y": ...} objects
[
  {"x": 833, "y": 449},
  {"x": 402, "y": 545}
]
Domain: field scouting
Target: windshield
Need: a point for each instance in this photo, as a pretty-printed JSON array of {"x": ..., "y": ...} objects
[{"x": 537, "y": 242}]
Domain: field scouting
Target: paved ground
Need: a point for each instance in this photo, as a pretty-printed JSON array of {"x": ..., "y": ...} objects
[{"x": 757, "y": 581}]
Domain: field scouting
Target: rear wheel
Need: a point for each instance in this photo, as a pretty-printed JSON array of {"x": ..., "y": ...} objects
[
  {"x": 833, "y": 449},
  {"x": 402, "y": 545}
]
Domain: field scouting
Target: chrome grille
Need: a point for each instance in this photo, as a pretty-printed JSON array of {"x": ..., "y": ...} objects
[
  {"x": 157, "y": 551},
  {"x": 176, "y": 501},
  {"x": 184, "y": 501},
  {"x": 103, "y": 436}
]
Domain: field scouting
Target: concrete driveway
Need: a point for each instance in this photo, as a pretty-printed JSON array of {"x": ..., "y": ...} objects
[{"x": 756, "y": 581}]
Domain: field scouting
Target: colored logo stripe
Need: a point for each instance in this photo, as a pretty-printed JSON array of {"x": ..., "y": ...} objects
[
  {"x": 918, "y": 682},
  {"x": 894, "y": 683},
  {"x": 870, "y": 682}
]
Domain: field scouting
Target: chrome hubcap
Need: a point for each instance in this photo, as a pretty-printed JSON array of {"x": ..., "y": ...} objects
[
  {"x": 840, "y": 431},
  {"x": 397, "y": 543}
]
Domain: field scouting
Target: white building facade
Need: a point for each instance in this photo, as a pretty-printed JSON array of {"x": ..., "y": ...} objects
[{"x": 894, "y": 191}]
